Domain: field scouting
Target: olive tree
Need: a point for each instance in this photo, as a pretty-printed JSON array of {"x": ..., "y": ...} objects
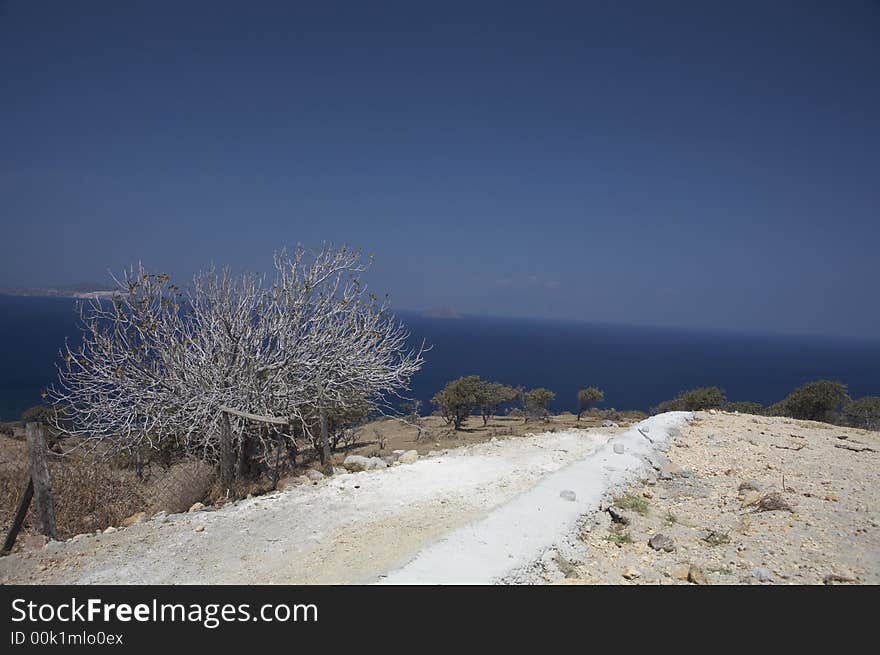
[
  {"x": 588, "y": 397},
  {"x": 491, "y": 396},
  {"x": 535, "y": 402},
  {"x": 458, "y": 399}
]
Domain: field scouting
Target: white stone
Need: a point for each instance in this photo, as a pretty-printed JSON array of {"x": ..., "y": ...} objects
[{"x": 409, "y": 457}]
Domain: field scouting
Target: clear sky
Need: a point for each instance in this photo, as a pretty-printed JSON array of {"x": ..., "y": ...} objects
[{"x": 696, "y": 163}]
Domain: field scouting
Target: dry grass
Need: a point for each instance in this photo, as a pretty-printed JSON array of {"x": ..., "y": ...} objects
[
  {"x": 87, "y": 495},
  {"x": 91, "y": 494}
]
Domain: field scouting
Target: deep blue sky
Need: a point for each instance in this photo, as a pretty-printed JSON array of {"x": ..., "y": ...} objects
[{"x": 701, "y": 163}]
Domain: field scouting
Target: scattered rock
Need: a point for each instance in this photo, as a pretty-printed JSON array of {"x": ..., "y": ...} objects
[
  {"x": 631, "y": 573},
  {"x": 618, "y": 448},
  {"x": 751, "y": 485},
  {"x": 669, "y": 470},
  {"x": 662, "y": 542},
  {"x": 647, "y": 494},
  {"x": 568, "y": 494},
  {"x": 409, "y": 457},
  {"x": 695, "y": 575},
  {"x": 338, "y": 470},
  {"x": 356, "y": 463},
  {"x": 565, "y": 567},
  {"x": 134, "y": 519},
  {"x": 680, "y": 572},
  {"x": 314, "y": 475},
  {"x": 834, "y": 578},
  {"x": 762, "y": 574},
  {"x": 434, "y": 453},
  {"x": 200, "y": 528},
  {"x": 750, "y": 498},
  {"x": 110, "y": 530},
  {"x": 714, "y": 538},
  {"x": 195, "y": 507},
  {"x": 609, "y": 424}
]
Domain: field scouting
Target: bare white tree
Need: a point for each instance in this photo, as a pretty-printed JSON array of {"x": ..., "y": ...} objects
[{"x": 159, "y": 364}]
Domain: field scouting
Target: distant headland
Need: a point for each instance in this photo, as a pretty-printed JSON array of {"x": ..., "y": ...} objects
[
  {"x": 80, "y": 290},
  {"x": 441, "y": 312}
]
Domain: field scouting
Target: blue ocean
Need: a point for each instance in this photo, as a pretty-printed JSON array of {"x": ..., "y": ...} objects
[{"x": 637, "y": 367}]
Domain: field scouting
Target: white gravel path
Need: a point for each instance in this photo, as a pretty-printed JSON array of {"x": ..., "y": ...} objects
[{"x": 515, "y": 535}]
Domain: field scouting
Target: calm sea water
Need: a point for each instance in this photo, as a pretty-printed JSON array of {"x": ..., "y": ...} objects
[{"x": 637, "y": 367}]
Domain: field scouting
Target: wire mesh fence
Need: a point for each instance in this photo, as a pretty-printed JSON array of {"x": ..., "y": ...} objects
[{"x": 91, "y": 492}]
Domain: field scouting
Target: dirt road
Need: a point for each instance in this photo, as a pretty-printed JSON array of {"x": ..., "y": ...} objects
[
  {"x": 529, "y": 510},
  {"x": 351, "y": 528}
]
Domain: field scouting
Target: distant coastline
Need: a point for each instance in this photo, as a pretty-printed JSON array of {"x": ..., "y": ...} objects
[
  {"x": 440, "y": 312},
  {"x": 636, "y": 367},
  {"x": 80, "y": 291}
]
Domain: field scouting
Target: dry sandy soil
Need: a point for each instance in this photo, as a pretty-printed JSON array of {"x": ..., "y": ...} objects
[
  {"x": 397, "y": 434},
  {"x": 361, "y": 527},
  {"x": 710, "y": 506}
]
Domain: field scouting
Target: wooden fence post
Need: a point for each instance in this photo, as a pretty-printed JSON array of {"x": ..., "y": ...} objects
[
  {"x": 23, "y": 503},
  {"x": 36, "y": 442}
]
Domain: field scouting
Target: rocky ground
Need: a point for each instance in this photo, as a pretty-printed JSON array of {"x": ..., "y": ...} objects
[
  {"x": 731, "y": 499},
  {"x": 744, "y": 500}
]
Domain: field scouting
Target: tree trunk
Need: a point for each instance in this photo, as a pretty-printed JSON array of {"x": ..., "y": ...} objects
[
  {"x": 241, "y": 460},
  {"x": 43, "y": 504},
  {"x": 227, "y": 453},
  {"x": 277, "y": 463},
  {"x": 325, "y": 439}
]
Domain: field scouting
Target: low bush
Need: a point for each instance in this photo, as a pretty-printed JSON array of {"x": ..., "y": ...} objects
[
  {"x": 535, "y": 402},
  {"x": 863, "y": 413},
  {"x": 745, "y": 407},
  {"x": 820, "y": 400},
  {"x": 693, "y": 400}
]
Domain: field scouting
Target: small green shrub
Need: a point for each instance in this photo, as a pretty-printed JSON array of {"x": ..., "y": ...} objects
[
  {"x": 535, "y": 402},
  {"x": 745, "y": 407},
  {"x": 38, "y": 414},
  {"x": 693, "y": 400},
  {"x": 815, "y": 401},
  {"x": 633, "y": 503},
  {"x": 619, "y": 538},
  {"x": 863, "y": 413}
]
